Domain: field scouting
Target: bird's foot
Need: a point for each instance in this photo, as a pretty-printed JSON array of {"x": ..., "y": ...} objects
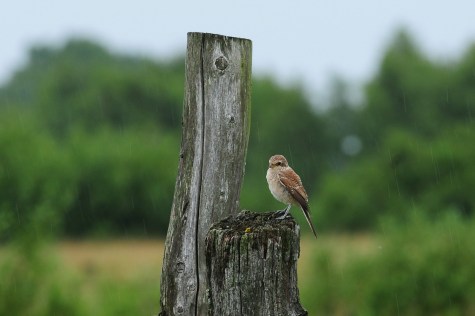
[{"x": 282, "y": 213}]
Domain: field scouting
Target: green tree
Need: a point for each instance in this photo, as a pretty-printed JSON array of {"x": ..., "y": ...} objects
[
  {"x": 36, "y": 180},
  {"x": 84, "y": 85}
]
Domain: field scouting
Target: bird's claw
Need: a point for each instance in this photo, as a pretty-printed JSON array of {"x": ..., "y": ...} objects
[
  {"x": 281, "y": 217},
  {"x": 282, "y": 213}
]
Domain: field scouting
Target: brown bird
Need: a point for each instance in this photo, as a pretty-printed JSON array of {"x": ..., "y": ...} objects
[{"x": 286, "y": 186}]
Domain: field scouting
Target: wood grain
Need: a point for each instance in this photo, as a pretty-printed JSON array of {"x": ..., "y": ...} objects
[
  {"x": 253, "y": 266},
  {"x": 216, "y": 122}
]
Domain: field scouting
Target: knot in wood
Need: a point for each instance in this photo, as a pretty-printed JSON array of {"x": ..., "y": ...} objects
[
  {"x": 221, "y": 63},
  {"x": 180, "y": 267}
]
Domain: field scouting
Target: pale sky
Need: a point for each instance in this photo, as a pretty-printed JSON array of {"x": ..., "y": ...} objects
[{"x": 308, "y": 41}]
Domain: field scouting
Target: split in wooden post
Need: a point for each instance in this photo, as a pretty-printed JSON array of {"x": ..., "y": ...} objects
[{"x": 252, "y": 266}]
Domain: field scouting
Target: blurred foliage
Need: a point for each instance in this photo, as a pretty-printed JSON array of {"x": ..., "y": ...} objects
[
  {"x": 421, "y": 267},
  {"x": 115, "y": 122},
  {"x": 124, "y": 182},
  {"x": 415, "y": 125},
  {"x": 36, "y": 283},
  {"x": 89, "y": 141},
  {"x": 83, "y": 85},
  {"x": 111, "y": 183},
  {"x": 89, "y": 144},
  {"x": 409, "y": 172},
  {"x": 32, "y": 286},
  {"x": 36, "y": 179}
]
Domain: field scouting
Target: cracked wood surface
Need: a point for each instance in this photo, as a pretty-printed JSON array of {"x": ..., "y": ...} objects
[
  {"x": 216, "y": 122},
  {"x": 253, "y": 266}
]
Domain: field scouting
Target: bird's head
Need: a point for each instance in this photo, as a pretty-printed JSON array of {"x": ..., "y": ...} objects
[{"x": 277, "y": 161}]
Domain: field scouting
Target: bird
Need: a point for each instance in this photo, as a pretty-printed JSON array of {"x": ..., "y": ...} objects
[{"x": 286, "y": 187}]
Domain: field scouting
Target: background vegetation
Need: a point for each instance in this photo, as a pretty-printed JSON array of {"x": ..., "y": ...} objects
[{"x": 89, "y": 143}]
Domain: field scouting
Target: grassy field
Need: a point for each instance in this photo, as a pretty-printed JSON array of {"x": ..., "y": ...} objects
[
  {"x": 122, "y": 277},
  {"x": 117, "y": 259},
  {"x": 132, "y": 259},
  {"x": 114, "y": 271},
  {"x": 129, "y": 259},
  {"x": 423, "y": 267},
  {"x": 102, "y": 266},
  {"x": 109, "y": 277}
]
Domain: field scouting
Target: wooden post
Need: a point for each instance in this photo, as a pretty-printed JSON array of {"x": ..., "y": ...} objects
[
  {"x": 216, "y": 122},
  {"x": 252, "y": 266}
]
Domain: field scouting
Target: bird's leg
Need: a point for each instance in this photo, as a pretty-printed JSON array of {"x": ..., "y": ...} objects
[{"x": 285, "y": 211}]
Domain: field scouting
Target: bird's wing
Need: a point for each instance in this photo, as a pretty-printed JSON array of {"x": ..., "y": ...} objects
[
  {"x": 291, "y": 181},
  {"x": 293, "y": 184}
]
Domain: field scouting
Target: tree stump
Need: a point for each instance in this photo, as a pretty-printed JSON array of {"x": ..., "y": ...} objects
[{"x": 252, "y": 265}]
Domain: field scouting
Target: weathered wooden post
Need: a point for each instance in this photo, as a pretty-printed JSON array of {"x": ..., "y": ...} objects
[
  {"x": 244, "y": 264},
  {"x": 216, "y": 122},
  {"x": 252, "y": 266}
]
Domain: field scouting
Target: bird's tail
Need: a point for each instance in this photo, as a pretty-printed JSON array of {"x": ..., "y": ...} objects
[{"x": 306, "y": 212}]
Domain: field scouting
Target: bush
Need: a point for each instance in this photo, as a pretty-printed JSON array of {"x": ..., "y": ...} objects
[
  {"x": 36, "y": 179},
  {"x": 409, "y": 171},
  {"x": 30, "y": 286},
  {"x": 34, "y": 283},
  {"x": 423, "y": 267},
  {"x": 104, "y": 182},
  {"x": 124, "y": 182}
]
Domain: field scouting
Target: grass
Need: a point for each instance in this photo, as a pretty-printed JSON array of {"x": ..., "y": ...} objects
[
  {"x": 422, "y": 267},
  {"x": 114, "y": 277},
  {"x": 122, "y": 277},
  {"x": 140, "y": 261},
  {"x": 115, "y": 271},
  {"x": 128, "y": 260},
  {"x": 341, "y": 246},
  {"x": 118, "y": 259}
]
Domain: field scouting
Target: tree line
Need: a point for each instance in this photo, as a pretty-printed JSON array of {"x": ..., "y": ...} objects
[{"x": 89, "y": 141}]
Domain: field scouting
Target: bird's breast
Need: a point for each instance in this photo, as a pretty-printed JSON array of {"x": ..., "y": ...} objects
[{"x": 279, "y": 192}]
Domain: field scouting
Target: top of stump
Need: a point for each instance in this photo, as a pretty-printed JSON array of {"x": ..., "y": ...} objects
[{"x": 252, "y": 222}]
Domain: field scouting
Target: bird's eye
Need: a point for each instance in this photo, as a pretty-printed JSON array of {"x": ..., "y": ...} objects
[{"x": 278, "y": 163}]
